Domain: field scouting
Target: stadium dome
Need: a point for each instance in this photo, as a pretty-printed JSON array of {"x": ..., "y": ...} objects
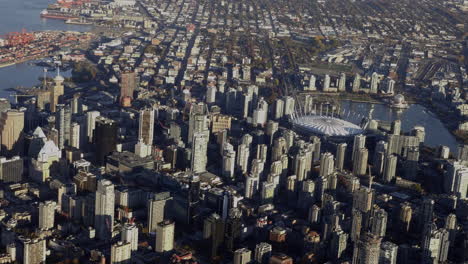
[{"x": 326, "y": 126}]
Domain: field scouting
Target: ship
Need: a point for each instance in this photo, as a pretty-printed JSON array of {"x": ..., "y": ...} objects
[{"x": 57, "y": 15}]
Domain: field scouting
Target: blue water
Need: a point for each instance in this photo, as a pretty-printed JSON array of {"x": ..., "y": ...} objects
[
  {"x": 16, "y": 15},
  {"x": 436, "y": 133}
]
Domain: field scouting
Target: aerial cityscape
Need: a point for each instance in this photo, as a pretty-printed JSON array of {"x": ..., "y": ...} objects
[{"x": 237, "y": 132}]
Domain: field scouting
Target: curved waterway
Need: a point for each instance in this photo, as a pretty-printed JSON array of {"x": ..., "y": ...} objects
[{"x": 436, "y": 133}]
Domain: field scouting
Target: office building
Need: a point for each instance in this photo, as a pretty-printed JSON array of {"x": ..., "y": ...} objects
[
  {"x": 91, "y": 124},
  {"x": 379, "y": 222},
  {"x": 165, "y": 236},
  {"x": 11, "y": 170},
  {"x": 11, "y": 132},
  {"x": 75, "y": 135},
  {"x": 31, "y": 251},
  {"x": 356, "y": 83},
  {"x": 340, "y": 156},
  {"x": 104, "y": 138},
  {"x": 121, "y": 253},
  {"x": 374, "y": 85},
  {"x": 389, "y": 168},
  {"x": 63, "y": 124},
  {"x": 47, "y": 215},
  {"x": 359, "y": 143},
  {"x": 338, "y": 244},
  {"x": 199, "y": 152},
  {"x": 145, "y": 133},
  {"x": 157, "y": 209},
  {"x": 327, "y": 164},
  {"x": 342, "y": 82},
  {"x": 360, "y": 162},
  {"x": 129, "y": 234},
  {"x": 104, "y": 210},
  {"x": 128, "y": 84}
]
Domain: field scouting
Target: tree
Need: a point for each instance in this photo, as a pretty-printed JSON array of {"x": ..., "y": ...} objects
[{"x": 84, "y": 71}]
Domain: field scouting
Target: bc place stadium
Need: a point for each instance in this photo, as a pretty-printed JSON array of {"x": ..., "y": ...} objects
[{"x": 325, "y": 125}]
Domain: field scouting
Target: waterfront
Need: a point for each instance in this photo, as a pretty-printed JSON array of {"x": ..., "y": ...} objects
[
  {"x": 27, "y": 16},
  {"x": 436, "y": 133}
]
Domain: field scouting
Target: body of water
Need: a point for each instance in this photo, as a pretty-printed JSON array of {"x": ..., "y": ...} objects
[
  {"x": 436, "y": 133},
  {"x": 16, "y": 15}
]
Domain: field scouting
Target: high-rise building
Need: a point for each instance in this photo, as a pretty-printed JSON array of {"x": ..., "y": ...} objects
[
  {"x": 312, "y": 81},
  {"x": 75, "y": 135},
  {"x": 404, "y": 218},
  {"x": 251, "y": 185},
  {"x": 456, "y": 179},
  {"x": 63, "y": 124},
  {"x": 342, "y": 82},
  {"x": 326, "y": 83},
  {"x": 390, "y": 168},
  {"x": 435, "y": 245},
  {"x": 121, "y": 253},
  {"x": 127, "y": 87},
  {"x": 359, "y": 143},
  {"x": 279, "y": 109},
  {"x": 379, "y": 157},
  {"x": 367, "y": 249},
  {"x": 31, "y": 251},
  {"x": 47, "y": 215},
  {"x": 426, "y": 213},
  {"x": 165, "y": 236},
  {"x": 363, "y": 199},
  {"x": 268, "y": 192},
  {"x": 199, "y": 152},
  {"x": 199, "y": 122},
  {"x": 104, "y": 138},
  {"x": 379, "y": 223},
  {"x": 145, "y": 133},
  {"x": 388, "y": 253},
  {"x": 327, "y": 164},
  {"x": 374, "y": 85},
  {"x": 229, "y": 162},
  {"x": 396, "y": 127},
  {"x": 338, "y": 243},
  {"x": 289, "y": 104},
  {"x": 11, "y": 170},
  {"x": 242, "y": 161},
  {"x": 91, "y": 124},
  {"x": 104, "y": 209},
  {"x": 211, "y": 94},
  {"x": 260, "y": 114},
  {"x": 157, "y": 208},
  {"x": 129, "y": 234},
  {"x": 419, "y": 132},
  {"x": 262, "y": 253},
  {"x": 360, "y": 162},
  {"x": 213, "y": 232},
  {"x": 356, "y": 83},
  {"x": 242, "y": 256},
  {"x": 340, "y": 156},
  {"x": 11, "y": 132}
]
